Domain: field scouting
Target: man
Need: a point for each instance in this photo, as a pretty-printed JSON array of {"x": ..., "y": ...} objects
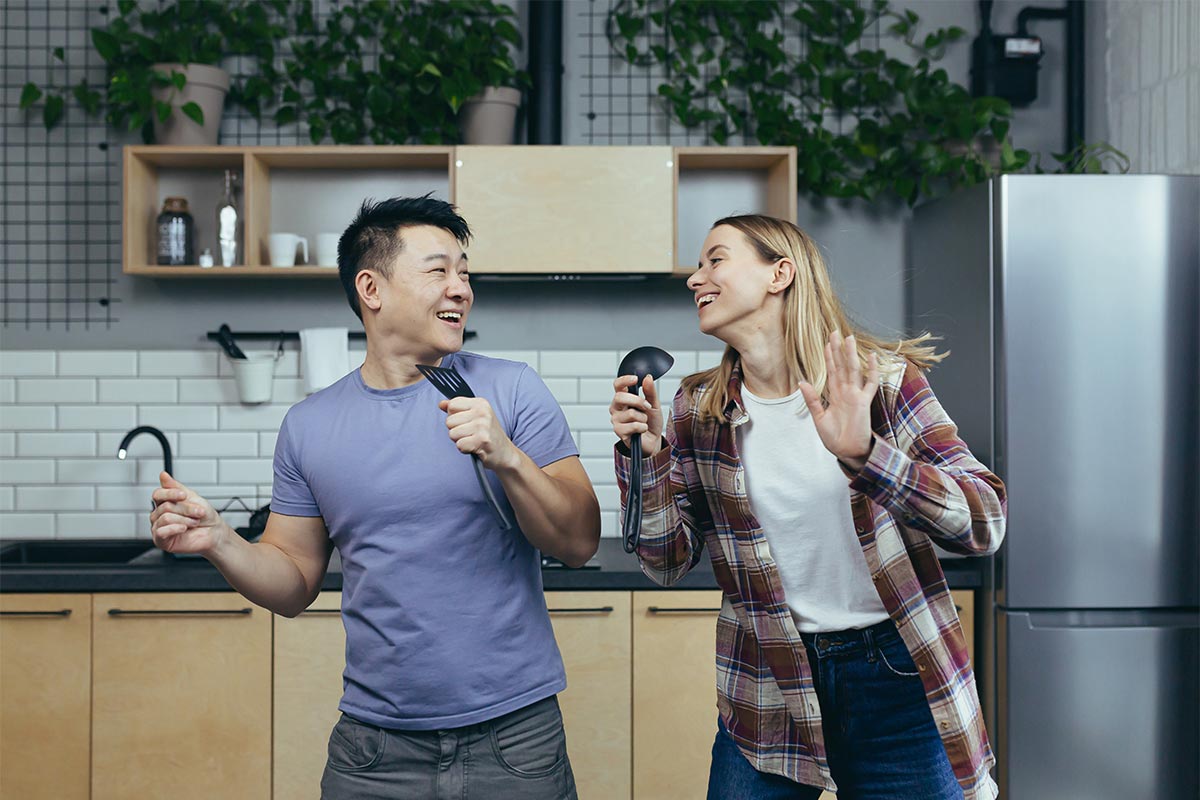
[{"x": 451, "y": 663}]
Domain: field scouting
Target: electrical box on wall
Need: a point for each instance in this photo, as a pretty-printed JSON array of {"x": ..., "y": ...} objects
[{"x": 1006, "y": 66}]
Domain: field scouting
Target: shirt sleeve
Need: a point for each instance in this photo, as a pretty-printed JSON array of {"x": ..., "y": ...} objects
[
  {"x": 540, "y": 428},
  {"x": 290, "y": 492}
]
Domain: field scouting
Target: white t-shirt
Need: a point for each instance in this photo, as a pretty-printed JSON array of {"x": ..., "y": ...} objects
[{"x": 801, "y": 498}]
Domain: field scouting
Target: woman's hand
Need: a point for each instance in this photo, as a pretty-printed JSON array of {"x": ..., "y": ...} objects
[
  {"x": 844, "y": 425},
  {"x": 633, "y": 415}
]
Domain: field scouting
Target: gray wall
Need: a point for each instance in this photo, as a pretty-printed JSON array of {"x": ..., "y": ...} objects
[{"x": 865, "y": 246}]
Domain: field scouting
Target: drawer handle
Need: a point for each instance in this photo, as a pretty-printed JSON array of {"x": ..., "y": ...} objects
[
  {"x": 208, "y": 612},
  {"x": 66, "y": 612},
  {"x": 595, "y": 610},
  {"x": 309, "y": 611},
  {"x": 658, "y": 610}
]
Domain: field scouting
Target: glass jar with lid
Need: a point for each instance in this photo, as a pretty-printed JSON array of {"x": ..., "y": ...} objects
[{"x": 176, "y": 233}]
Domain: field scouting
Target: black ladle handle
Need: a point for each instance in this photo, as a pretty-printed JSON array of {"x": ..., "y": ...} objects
[
  {"x": 501, "y": 519},
  {"x": 632, "y": 526}
]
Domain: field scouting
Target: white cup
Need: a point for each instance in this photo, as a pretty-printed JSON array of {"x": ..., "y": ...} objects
[
  {"x": 254, "y": 376},
  {"x": 327, "y": 249},
  {"x": 282, "y": 247}
]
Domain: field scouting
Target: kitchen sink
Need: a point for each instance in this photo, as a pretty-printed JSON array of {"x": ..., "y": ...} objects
[{"x": 71, "y": 553}]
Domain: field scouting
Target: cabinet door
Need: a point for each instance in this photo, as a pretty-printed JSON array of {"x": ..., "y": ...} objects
[
  {"x": 592, "y": 629},
  {"x": 964, "y": 604},
  {"x": 181, "y": 691},
  {"x": 45, "y": 695},
  {"x": 674, "y": 692},
  {"x": 310, "y": 654},
  {"x": 567, "y": 209}
]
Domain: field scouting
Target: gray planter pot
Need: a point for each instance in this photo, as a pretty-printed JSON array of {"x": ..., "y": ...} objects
[
  {"x": 206, "y": 86},
  {"x": 490, "y": 117}
]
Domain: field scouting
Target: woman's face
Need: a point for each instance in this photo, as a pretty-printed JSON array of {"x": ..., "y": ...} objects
[{"x": 731, "y": 286}]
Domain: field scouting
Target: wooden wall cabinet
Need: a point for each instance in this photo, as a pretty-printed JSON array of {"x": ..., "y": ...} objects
[
  {"x": 560, "y": 210},
  {"x": 181, "y": 697},
  {"x": 45, "y": 696}
]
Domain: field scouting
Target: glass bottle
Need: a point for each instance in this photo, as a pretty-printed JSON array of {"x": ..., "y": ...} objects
[
  {"x": 176, "y": 233},
  {"x": 229, "y": 223}
]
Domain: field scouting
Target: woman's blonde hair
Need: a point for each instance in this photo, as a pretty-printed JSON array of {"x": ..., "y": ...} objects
[{"x": 811, "y": 312}]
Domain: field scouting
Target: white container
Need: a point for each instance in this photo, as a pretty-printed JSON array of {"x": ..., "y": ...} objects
[
  {"x": 282, "y": 248},
  {"x": 327, "y": 244},
  {"x": 254, "y": 376}
]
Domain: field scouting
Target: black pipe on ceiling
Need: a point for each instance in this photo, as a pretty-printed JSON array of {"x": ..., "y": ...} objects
[{"x": 546, "y": 71}]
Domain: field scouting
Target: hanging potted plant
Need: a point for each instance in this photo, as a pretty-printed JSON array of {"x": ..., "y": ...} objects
[{"x": 163, "y": 73}]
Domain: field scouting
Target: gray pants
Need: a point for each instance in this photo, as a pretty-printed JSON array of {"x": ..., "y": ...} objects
[{"x": 521, "y": 755}]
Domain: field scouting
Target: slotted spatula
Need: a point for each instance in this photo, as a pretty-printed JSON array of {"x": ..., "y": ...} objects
[{"x": 451, "y": 384}]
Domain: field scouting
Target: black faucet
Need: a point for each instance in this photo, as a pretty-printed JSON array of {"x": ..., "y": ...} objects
[{"x": 157, "y": 434}]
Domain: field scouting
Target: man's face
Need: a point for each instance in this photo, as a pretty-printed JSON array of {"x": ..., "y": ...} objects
[{"x": 428, "y": 297}]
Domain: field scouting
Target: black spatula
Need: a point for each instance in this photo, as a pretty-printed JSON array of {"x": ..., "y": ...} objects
[
  {"x": 640, "y": 362},
  {"x": 447, "y": 381}
]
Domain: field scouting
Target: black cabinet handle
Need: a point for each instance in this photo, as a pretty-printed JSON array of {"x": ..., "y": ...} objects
[
  {"x": 66, "y": 612},
  {"x": 309, "y": 611},
  {"x": 595, "y": 610},
  {"x": 658, "y": 610},
  {"x": 207, "y": 612}
]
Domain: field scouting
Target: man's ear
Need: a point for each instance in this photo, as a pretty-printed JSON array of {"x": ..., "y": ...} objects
[
  {"x": 367, "y": 284},
  {"x": 785, "y": 274}
]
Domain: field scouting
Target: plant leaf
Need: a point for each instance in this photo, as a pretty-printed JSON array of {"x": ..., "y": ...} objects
[
  {"x": 30, "y": 94},
  {"x": 193, "y": 112},
  {"x": 53, "y": 110}
]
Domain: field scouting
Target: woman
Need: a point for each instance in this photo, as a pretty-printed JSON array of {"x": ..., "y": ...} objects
[{"x": 818, "y": 470}]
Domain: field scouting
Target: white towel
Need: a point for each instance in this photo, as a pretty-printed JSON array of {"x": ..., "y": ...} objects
[{"x": 325, "y": 353}]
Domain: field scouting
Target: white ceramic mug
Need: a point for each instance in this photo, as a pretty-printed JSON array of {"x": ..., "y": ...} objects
[
  {"x": 327, "y": 244},
  {"x": 282, "y": 247}
]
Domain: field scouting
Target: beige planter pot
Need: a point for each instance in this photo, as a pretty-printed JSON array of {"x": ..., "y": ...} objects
[
  {"x": 491, "y": 117},
  {"x": 206, "y": 86}
]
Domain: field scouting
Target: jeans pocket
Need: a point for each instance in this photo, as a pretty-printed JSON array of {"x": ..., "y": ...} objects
[
  {"x": 354, "y": 747},
  {"x": 530, "y": 743},
  {"x": 896, "y": 658}
]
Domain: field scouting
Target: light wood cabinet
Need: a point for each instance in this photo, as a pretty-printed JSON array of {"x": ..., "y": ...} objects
[
  {"x": 181, "y": 697},
  {"x": 310, "y": 655},
  {"x": 532, "y": 209},
  {"x": 593, "y": 633},
  {"x": 964, "y": 604},
  {"x": 674, "y": 692},
  {"x": 45, "y": 696}
]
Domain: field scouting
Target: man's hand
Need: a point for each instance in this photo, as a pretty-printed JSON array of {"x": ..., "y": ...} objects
[
  {"x": 475, "y": 429},
  {"x": 183, "y": 521}
]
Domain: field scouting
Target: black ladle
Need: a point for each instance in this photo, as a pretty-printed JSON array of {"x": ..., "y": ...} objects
[{"x": 641, "y": 362}]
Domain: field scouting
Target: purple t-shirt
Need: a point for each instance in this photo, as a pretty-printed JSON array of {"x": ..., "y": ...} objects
[{"x": 446, "y": 623}]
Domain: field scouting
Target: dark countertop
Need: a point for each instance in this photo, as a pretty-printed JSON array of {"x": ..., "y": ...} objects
[{"x": 614, "y": 570}]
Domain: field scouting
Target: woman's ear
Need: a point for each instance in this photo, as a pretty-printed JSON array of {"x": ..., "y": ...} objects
[
  {"x": 367, "y": 284},
  {"x": 784, "y": 274}
]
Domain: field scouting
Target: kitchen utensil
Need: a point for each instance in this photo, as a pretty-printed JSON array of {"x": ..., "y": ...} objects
[
  {"x": 225, "y": 339},
  {"x": 451, "y": 384},
  {"x": 641, "y": 362}
]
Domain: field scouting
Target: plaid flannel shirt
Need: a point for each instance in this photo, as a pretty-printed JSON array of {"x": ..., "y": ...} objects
[{"x": 920, "y": 483}]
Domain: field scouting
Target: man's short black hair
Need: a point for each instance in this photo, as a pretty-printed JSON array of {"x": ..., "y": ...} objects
[{"x": 373, "y": 239}]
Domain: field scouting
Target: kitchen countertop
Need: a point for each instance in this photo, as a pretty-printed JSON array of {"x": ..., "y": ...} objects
[{"x": 613, "y": 569}]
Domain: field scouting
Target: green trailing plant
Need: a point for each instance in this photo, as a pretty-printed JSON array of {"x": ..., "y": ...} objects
[
  {"x": 185, "y": 31},
  {"x": 865, "y": 123},
  {"x": 1086, "y": 158},
  {"x": 396, "y": 72}
]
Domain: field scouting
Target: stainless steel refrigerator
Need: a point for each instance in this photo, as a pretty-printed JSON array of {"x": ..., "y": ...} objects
[{"x": 1070, "y": 307}]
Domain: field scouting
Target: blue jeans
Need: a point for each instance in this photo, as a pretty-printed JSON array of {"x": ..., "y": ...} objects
[{"x": 880, "y": 736}]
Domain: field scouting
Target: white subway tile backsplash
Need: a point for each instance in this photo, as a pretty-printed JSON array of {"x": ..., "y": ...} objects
[
  {"x": 8, "y": 390},
  {"x": 529, "y": 357},
  {"x": 8, "y": 444},
  {"x": 287, "y": 391},
  {"x": 597, "y": 443},
  {"x": 97, "y": 418},
  {"x": 27, "y": 418},
  {"x": 707, "y": 359},
  {"x": 138, "y": 390},
  {"x": 16, "y": 471},
  {"x": 203, "y": 391},
  {"x": 609, "y": 497},
  {"x": 600, "y": 470},
  {"x": 588, "y": 418},
  {"x": 610, "y": 524},
  {"x": 266, "y": 443},
  {"x": 685, "y": 363},
  {"x": 56, "y": 390},
  {"x": 55, "y": 498},
  {"x": 578, "y": 363},
  {"x": 237, "y": 470},
  {"x": 256, "y": 418},
  {"x": 7, "y": 498},
  {"x": 219, "y": 445},
  {"x": 135, "y": 498},
  {"x": 98, "y": 470},
  {"x": 27, "y": 362},
  {"x": 177, "y": 363},
  {"x": 96, "y": 525},
  {"x": 596, "y": 390},
  {"x": 179, "y": 418},
  {"x": 565, "y": 390},
  {"x": 187, "y": 471},
  {"x": 95, "y": 363},
  {"x": 27, "y": 526},
  {"x": 45, "y": 445}
]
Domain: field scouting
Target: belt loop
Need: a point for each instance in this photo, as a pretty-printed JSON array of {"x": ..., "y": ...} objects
[{"x": 869, "y": 636}]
